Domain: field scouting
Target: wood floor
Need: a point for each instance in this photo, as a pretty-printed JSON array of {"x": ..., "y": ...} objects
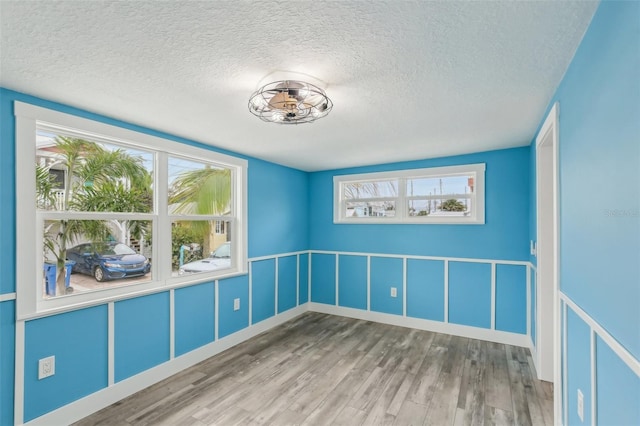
[{"x": 326, "y": 370}]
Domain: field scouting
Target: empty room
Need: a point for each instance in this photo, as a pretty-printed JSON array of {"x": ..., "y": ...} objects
[{"x": 320, "y": 213}]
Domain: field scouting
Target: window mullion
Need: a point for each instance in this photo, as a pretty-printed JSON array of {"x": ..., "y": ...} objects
[
  {"x": 401, "y": 203},
  {"x": 162, "y": 229}
]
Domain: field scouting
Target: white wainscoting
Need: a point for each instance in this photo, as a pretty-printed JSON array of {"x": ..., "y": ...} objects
[
  {"x": 490, "y": 334},
  {"x": 117, "y": 391},
  {"x": 596, "y": 330}
]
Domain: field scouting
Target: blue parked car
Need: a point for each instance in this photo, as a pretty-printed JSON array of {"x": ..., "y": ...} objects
[{"x": 108, "y": 261}]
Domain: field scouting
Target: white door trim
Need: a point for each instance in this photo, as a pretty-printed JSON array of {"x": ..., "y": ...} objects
[{"x": 548, "y": 336}]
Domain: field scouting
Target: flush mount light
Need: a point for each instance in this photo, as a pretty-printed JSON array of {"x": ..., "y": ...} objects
[{"x": 289, "y": 102}]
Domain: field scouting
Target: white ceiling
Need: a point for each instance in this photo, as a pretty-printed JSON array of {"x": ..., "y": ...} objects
[{"x": 409, "y": 79}]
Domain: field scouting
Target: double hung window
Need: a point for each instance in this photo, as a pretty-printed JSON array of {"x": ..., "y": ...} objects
[{"x": 104, "y": 212}]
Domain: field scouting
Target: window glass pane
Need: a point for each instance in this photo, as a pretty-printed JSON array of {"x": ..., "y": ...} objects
[
  {"x": 364, "y": 190},
  {"x": 440, "y": 186},
  {"x": 371, "y": 209},
  {"x": 450, "y": 207},
  {"x": 200, "y": 246},
  {"x": 98, "y": 254},
  {"x": 79, "y": 174},
  {"x": 198, "y": 188}
]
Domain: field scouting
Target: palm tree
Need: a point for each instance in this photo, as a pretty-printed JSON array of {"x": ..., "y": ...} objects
[
  {"x": 97, "y": 179},
  {"x": 204, "y": 191}
]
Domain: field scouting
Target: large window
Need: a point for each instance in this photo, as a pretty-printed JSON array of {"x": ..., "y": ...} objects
[
  {"x": 452, "y": 195},
  {"x": 118, "y": 212}
]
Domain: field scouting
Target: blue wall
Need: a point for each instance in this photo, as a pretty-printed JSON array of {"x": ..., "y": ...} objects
[
  {"x": 278, "y": 209},
  {"x": 470, "y": 294},
  {"x": 141, "y": 334},
  {"x": 600, "y": 173},
  {"x": 195, "y": 317},
  {"x": 352, "y": 292},
  {"x": 578, "y": 362},
  {"x": 78, "y": 340},
  {"x": 278, "y": 223},
  {"x": 7, "y": 359},
  {"x": 504, "y": 236},
  {"x": 425, "y": 289},
  {"x": 599, "y": 161}
]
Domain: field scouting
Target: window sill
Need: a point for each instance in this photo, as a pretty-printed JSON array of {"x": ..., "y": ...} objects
[{"x": 199, "y": 279}]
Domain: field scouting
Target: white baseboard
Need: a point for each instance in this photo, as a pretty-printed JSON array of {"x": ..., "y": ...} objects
[
  {"x": 497, "y": 336},
  {"x": 96, "y": 401},
  {"x": 534, "y": 357}
]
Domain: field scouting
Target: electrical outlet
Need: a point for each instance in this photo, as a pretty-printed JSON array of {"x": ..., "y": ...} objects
[
  {"x": 533, "y": 248},
  {"x": 580, "y": 405},
  {"x": 46, "y": 367},
  {"x": 394, "y": 292},
  {"x": 236, "y": 304}
]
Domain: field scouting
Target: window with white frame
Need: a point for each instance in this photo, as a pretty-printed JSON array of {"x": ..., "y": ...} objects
[
  {"x": 118, "y": 212},
  {"x": 445, "y": 195}
]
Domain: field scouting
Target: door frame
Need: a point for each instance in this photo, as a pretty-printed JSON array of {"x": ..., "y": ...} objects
[{"x": 548, "y": 338}]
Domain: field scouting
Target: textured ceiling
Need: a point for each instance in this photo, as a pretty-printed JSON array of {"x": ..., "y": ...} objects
[{"x": 408, "y": 79}]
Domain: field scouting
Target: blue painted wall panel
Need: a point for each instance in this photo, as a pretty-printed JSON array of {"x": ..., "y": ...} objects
[
  {"x": 141, "y": 334},
  {"x": 78, "y": 340},
  {"x": 511, "y": 298},
  {"x": 386, "y": 272},
  {"x": 7, "y": 360},
  {"x": 194, "y": 317},
  {"x": 504, "y": 236},
  {"x": 303, "y": 292},
  {"x": 425, "y": 289},
  {"x": 617, "y": 389},
  {"x": 263, "y": 290},
  {"x": 470, "y": 294},
  {"x": 323, "y": 278},
  {"x": 274, "y": 188},
  {"x": 7, "y": 194},
  {"x": 230, "y": 321},
  {"x": 352, "y": 287},
  {"x": 578, "y": 367},
  {"x": 287, "y": 281}
]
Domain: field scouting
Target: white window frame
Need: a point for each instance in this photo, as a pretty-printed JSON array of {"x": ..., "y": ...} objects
[
  {"x": 401, "y": 213},
  {"x": 29, "y": 240}
]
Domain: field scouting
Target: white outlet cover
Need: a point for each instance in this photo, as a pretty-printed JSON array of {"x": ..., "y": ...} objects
[
  {"x": 394, "y": 292},
  {"x": 580, "y": 405},
  {"x": 236, "y": 304},
  {"x": 46, "y": 367}
]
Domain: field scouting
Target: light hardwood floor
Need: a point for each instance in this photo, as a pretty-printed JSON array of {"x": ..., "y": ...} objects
[{"x": 326, "y": 370}]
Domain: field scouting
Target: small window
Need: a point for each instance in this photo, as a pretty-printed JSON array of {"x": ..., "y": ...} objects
[{"x": 447, "y": 195}]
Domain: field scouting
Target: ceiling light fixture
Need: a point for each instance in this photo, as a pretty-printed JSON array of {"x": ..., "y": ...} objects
[{"x": 289, "y": 102}]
